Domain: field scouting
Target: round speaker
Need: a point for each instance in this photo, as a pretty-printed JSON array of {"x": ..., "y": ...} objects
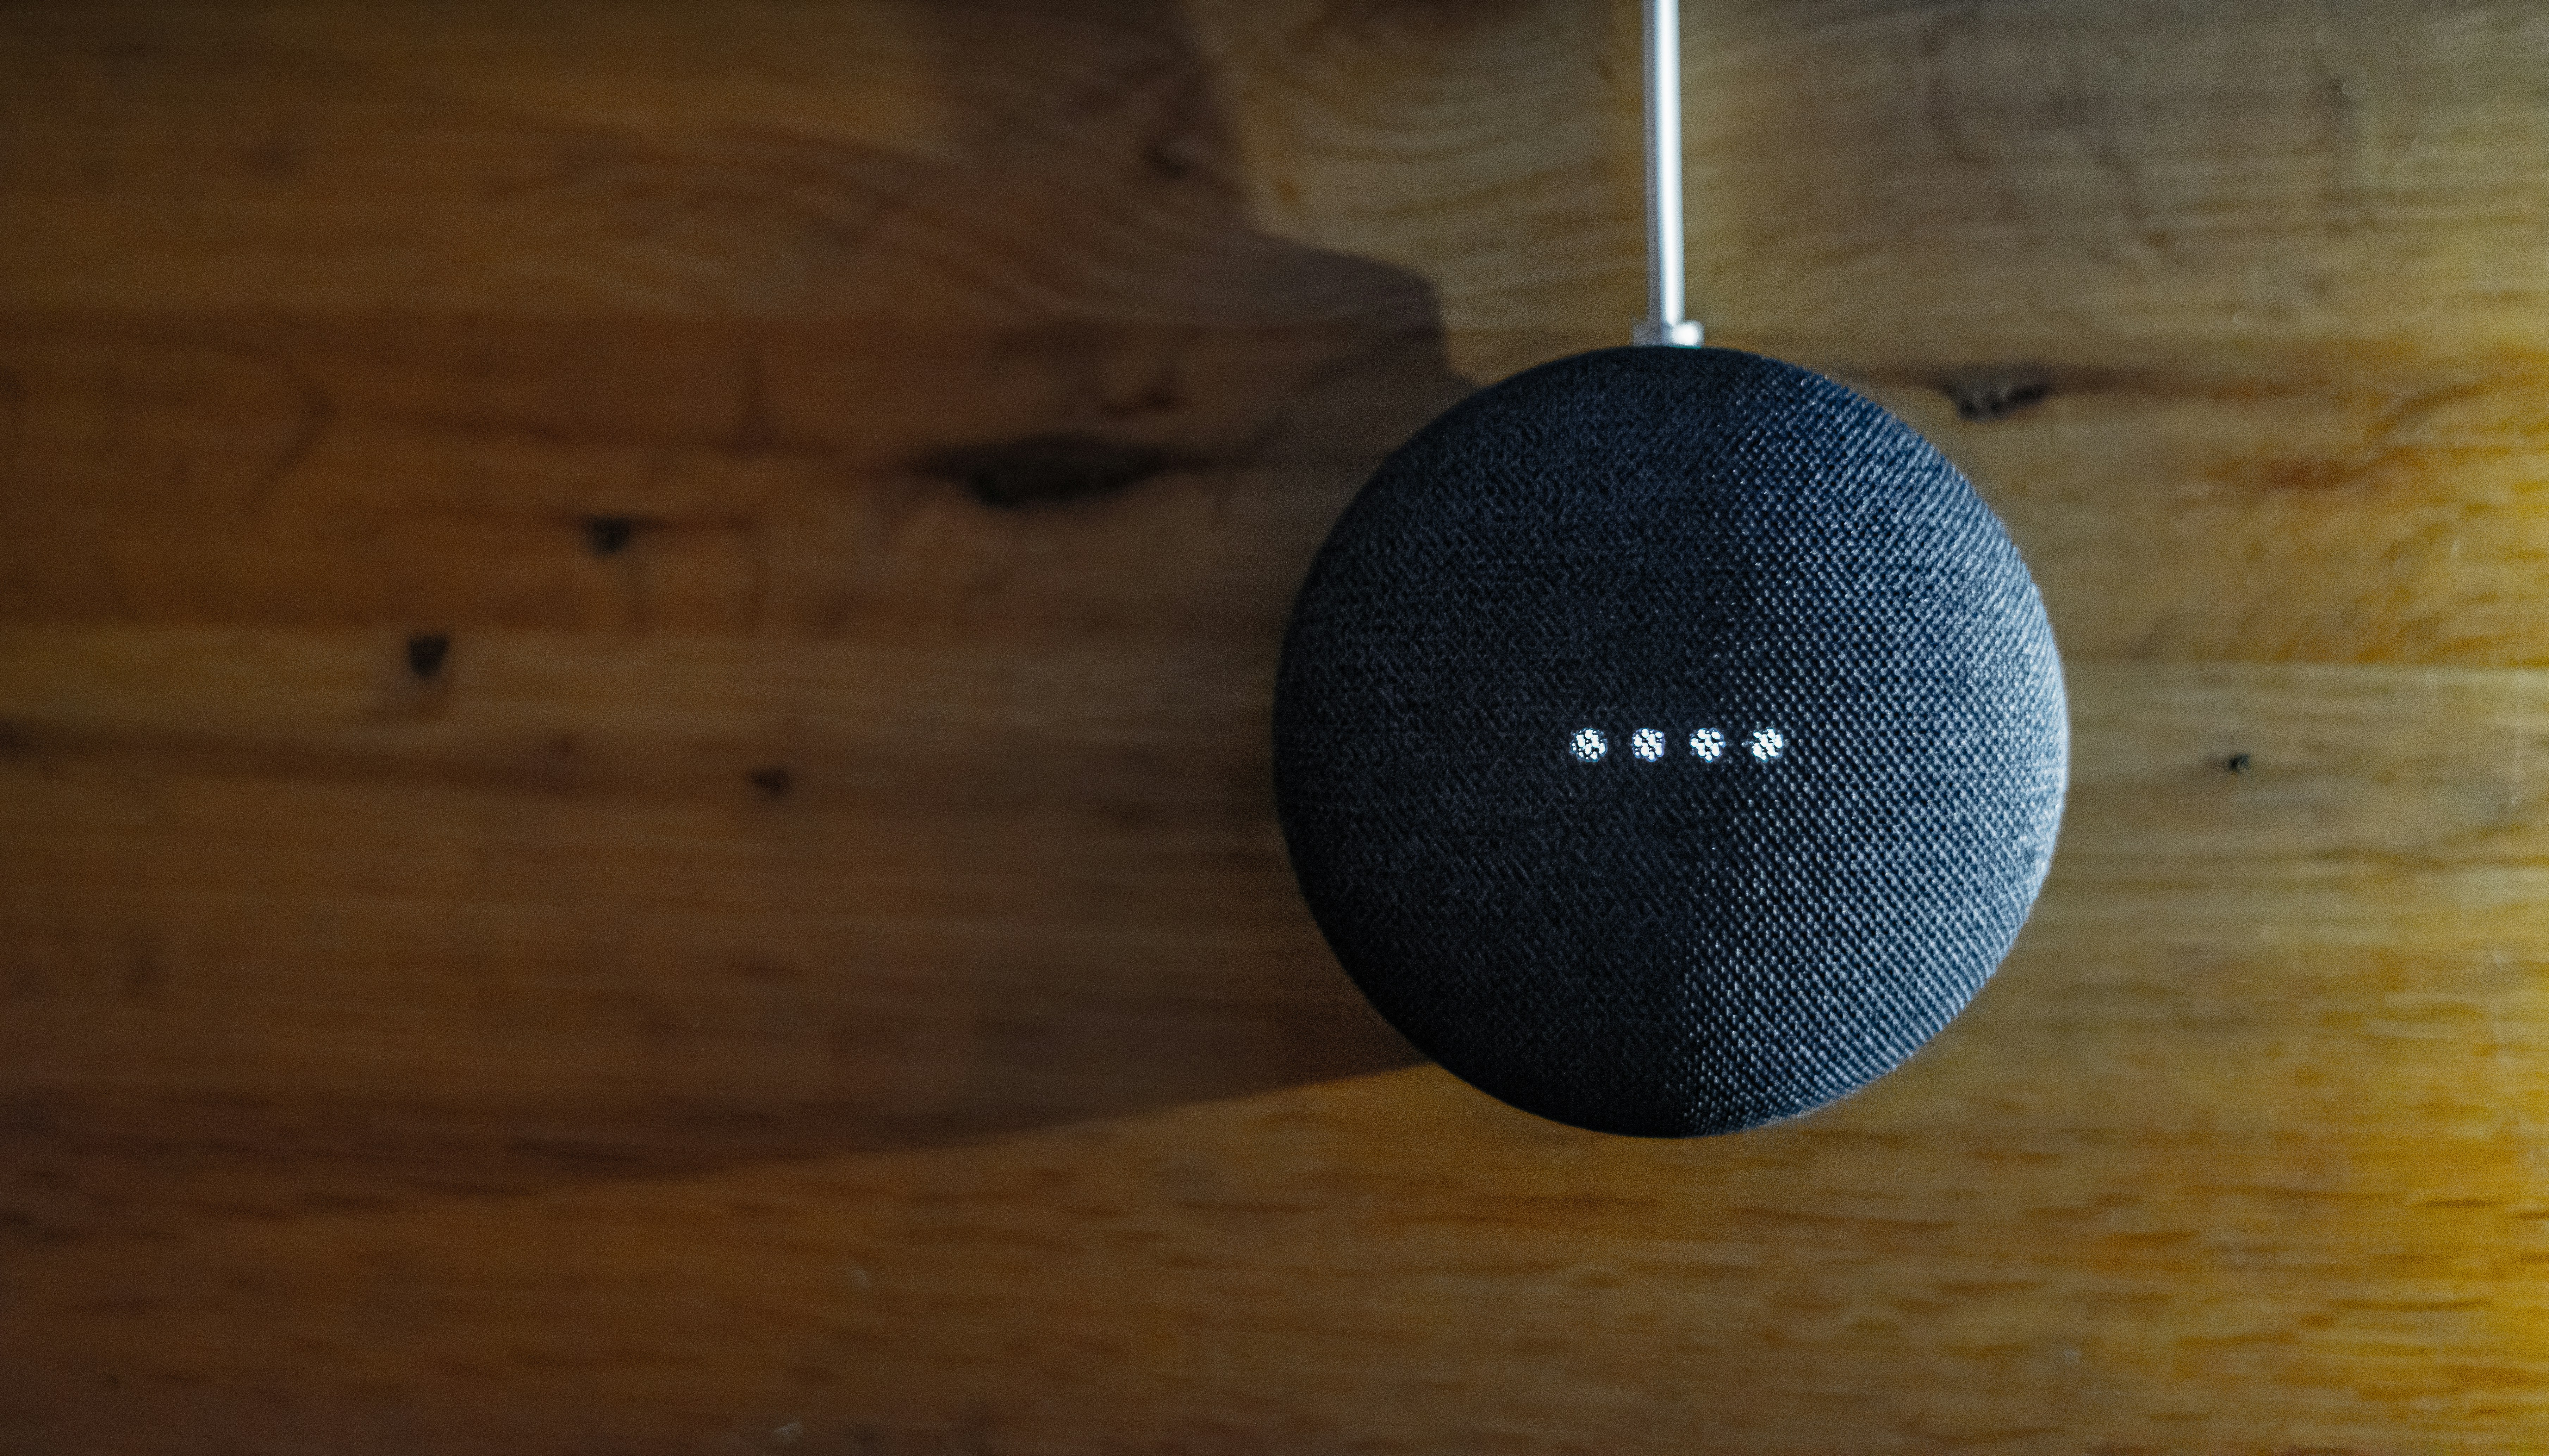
[{"x": 1670, "y": 741}]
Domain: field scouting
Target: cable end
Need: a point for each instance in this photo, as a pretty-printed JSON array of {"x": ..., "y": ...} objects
[{"x": 1681, "y": 334}]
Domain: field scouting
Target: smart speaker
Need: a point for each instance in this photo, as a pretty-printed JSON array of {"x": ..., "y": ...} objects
[{"x": 1668, "y": 740}]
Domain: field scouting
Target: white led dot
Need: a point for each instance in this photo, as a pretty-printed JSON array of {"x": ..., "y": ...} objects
[
  {"x": 1589, "y": 745},
  {"x": 1768, "y": 744},
  {"x": 1708, "y": 744},
  {"x": 1647, "y": 744}
]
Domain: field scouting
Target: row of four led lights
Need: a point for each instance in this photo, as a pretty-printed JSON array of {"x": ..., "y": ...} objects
[{"x": 1707, "y": 744}]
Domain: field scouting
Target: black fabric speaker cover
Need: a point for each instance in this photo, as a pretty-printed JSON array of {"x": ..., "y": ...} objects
[{"x": 1670, "y": 741}]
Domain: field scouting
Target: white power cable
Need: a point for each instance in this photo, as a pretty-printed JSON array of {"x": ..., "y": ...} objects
[{"x": 1663, "y": 323}]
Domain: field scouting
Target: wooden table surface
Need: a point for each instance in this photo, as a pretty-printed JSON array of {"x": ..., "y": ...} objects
[{"x": 634, "y": 643}]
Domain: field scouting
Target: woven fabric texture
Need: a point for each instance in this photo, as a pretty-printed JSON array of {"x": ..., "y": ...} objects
[{"x": 1670, "y": 741}]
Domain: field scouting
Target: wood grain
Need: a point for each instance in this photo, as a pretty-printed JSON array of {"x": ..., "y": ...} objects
[{"x": 633, "y": 642}]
